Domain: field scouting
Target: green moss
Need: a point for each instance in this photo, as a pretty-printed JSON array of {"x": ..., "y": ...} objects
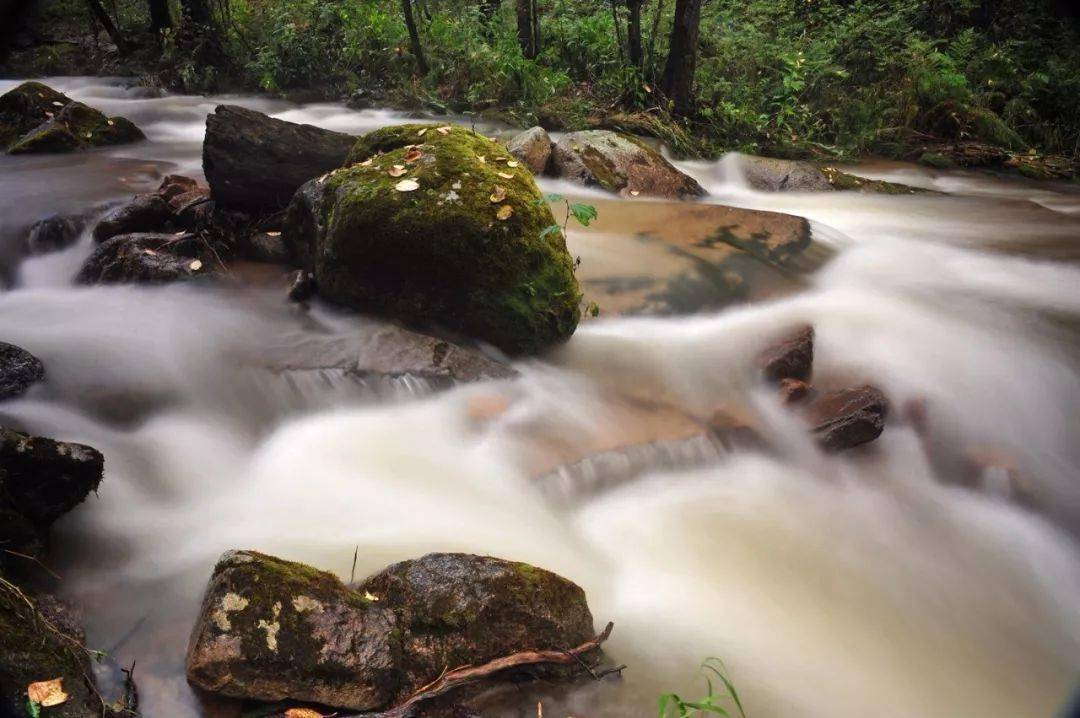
[
  {"x": 25, "y": 107},
  {"x": 988, "y": 127},
  {"x": 936, "y": 160},
  {"x": 849, "y": 182},
  {"x": 441, "y": 254}
]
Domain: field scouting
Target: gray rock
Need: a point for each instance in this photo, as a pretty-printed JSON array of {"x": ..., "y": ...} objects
[
  {"x": 768, "y": 174},
  {"x": 532, "y": 148},
  {"x": 54, "y": 233},
  {"x": 19, "y": 369},
  {"x": 620, "y": 163},
  {"x": 144, "y": 213}
]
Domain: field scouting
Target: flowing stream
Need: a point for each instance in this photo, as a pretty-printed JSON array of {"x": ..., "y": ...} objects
[{"x": 878, "y": 582}]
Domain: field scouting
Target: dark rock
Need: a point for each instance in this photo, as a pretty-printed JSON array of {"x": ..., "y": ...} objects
[
  {"x": 41, "y": 480},
  {"x": 54, "y": 233},
  {"x": 19, "y": 369},
  {"x": 34, "y": 118},
  {"x": 185, "y": 199},
  {"x": 144, "y": 213},
  {"x": 267, "y": 247},
  {"x": 200, "y": 213},
  {"x": 458, "y": 609},
  {"x": 619, "y": 163},
  {"x": 255, "y": 163},
  {"x": 43, "y": 643},
  {"x": 441, "y": 251},
  {"x": 302, "y": 287},
  {"x": 146, "y": 258},
  {"x": 847, "y": 418},
  {"x": 272, "y": 629},
  {"x": 174, "y": 185},
  {"x": 532, "y": 148},
  {"x": 789, "y": 357}
]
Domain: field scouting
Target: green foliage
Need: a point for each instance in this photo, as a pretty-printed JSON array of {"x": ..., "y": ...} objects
[
  {"x": 583, "y": 213},
  {"x": 716, "y": 699}
]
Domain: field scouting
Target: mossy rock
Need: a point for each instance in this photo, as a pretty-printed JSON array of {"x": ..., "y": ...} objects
[
  {"x": 844, "y": 181},
  {"x": 465, "y": 250},
  {"x": 34, "y": 118},
  {"x": 271, "y": 629},
  {"x": 936, "y": 160},
  {"x": 38, "y": 644},
  {"x": 620, "y": 163}
]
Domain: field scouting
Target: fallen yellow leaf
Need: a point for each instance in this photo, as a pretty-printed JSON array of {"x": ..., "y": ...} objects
[
  {"x": 483, "y": 160},
  {"x": 421, "y": 132},
  {"x": 444, "y": 130},
  {"x": 407, "y": 185},
  {"x": 367, "y": 162},
  {"x": 505, "y": 212},
  {"x": 196, "y": 265},
  {"x": 369, "y": 596},
  {"x": 47, "y": 693},
  {"x": 396, "y": 171},
  {"x": 302, "y": 713},
  {"x": 413, "y": 155},
  {"x": 505, "y": 175},
  {"x": 498, "y": 194},
  {"x": 512, "y": 163}
]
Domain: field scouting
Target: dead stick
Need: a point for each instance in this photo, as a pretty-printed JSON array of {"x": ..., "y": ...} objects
[{"x": 471, "y": 674}]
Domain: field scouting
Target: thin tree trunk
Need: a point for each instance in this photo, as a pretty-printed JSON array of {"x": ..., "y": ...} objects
[
  {"x": 633, "y": 33},
  {"x": 527, "y": 31},
  {"x": 414, "y": 37},
  {"x": 106, "y": 22},
  {"x": 678, "y": 80},
  {"x": 159, "y": 15},
  {"x": 196, "y": 11},
  {"x": 618, "y": 32},
  {"x": 650, "y": 59},
  {"x": 535, "y": 9}
]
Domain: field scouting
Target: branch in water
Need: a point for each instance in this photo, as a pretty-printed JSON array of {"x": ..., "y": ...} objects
[{"x": 459, "y": 677}]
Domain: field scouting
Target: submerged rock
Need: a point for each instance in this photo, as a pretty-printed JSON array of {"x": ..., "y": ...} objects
[
  {"x": 768, "y": 174},
  {"x": 147, "y": 258},
  {"x": 532, "y": 148},
  {"x": 847, "y": 418},
  {"x": 620, "y": 163},
  {"x": 41, "y": 480},
  {"x": 436, "y": 228},
  {"x": 273, "y": 630},
  {"x": 35, "y": 118},
  {"x": 19, "y": 370},
  {"x": 144, "y": 213},
  {"x": 54, "y": 233},
  {"x": 789, "y": 357}
]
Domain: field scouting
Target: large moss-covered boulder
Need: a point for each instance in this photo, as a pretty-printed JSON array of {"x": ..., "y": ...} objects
[
  {"x": 272, "y": 629},
  {"x": 620, "y": 163},
  {"x": 34, "y": 118},
  {"x": 438, "y": 226},
  {"x": 458, "y": 609}
]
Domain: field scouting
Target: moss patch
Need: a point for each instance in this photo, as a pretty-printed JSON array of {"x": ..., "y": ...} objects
[
  {"x": 463, "y": 250},
  {"x": 35, "y": 118}
]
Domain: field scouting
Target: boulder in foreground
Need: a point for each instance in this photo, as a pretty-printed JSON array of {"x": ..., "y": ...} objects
[
  {"x": 435, "y": 226},
  {"x": 34, "y": 118},
  {"x": 271, "y": 629},
  {"x": 620, "y": 163},
  {"x": 532, "y": 148},
  {"x": 19, "y": 370}
]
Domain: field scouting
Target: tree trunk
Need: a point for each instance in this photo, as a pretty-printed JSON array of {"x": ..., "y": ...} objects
[
  {"x": 106, "y": 22},
  {"x": 414, "y": 36},
  {"x": 633, "y": 33},
  {"x": 159, "y": 15},
  {"x": 678, "y": 80},
  {"x": 650, "y": 60},
  {"x": 196, "y": 11},
  {"x": 528, "y": 28},
  {"x": 256, "y": 163}
]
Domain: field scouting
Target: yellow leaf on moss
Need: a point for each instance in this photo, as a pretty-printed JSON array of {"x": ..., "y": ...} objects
[
  {"x": 505, "y": 212},
  {"x": 444, "y": 130},
  {"x": 413, "y": 154},
  {"x": 505, "y": 175},
  {"x": 47, "y": 693},
  {"x": 498, "y": 194},
  {"x": 396, "y": 171},
  {"x": 407, "y": 185}
]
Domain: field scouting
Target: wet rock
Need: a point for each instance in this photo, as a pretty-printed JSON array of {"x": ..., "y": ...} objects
[
  {"x": 847, "y": 418},
  {"x": 174, "y": 185},
  {"x": 43, "y": 643},
  {"x": 266, "y": 247},
  {"x": 768, "y": 174},
  {"x": 853, "y": 183},
  {"x": 35, "y": 118},
  {"x": 147, "y": 258},
  {"x": 458, "y": 609},
  {"x": 54, "y": 233},
  {"x": 41, "y": 480},
  {"x": 793, "y": 391},
  {"x": 271, "y": 629},
  {"x": 619, "y": 163},
  {"x": 789, "y": 357},
  {"x": 19, "y": 370},
  {"x": 255, "y": 163},
  {"x": 302, "y": 287},
  {"x": 144, "y": 213},
  {"x": 451, "y": 241},
  {"x": 199, "y": 213},
  {"x": 532, "y": 148},
  {"x": 185, "y": 199}
]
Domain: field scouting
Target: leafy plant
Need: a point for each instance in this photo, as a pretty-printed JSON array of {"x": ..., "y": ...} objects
[
  {"x": 714, "y": 701},
  {"x": 583, "y": 213}
]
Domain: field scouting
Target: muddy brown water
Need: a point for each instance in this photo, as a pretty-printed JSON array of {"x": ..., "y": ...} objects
[{"x": 878, "y": 582}]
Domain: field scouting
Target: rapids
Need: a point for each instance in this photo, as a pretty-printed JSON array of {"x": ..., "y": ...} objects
[{"x": 861, "y": 584}]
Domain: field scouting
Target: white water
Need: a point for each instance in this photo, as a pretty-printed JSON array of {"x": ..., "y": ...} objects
[{"x": 867, "y": 583}]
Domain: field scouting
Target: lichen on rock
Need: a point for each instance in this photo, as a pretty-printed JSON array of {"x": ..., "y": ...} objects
[{"x": 416, "y": 227}]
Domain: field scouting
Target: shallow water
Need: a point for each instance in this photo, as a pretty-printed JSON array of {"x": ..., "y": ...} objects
[{"x": 869, "y": 583}]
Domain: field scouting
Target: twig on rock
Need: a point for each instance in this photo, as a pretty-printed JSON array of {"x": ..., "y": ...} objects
[{"x": 451, "y": 680}]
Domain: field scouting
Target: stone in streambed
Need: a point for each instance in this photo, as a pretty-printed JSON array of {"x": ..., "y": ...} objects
[
  {"x": 54, "y": 233},
  {"x": 144, "y": 213},
  {"x": 34, "y": 118},
  {"x": 847, "y": 418},
  {"x": 147, "y": 258},
  {"x": 455, "y": 238},
  {"x": 789, "y": 357},
  {"x": 19, "y": 370},
  {"x": 275, "y": 630},
  {"x": 620, "y": 163},
  {"x": 532, "y": 148}
]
